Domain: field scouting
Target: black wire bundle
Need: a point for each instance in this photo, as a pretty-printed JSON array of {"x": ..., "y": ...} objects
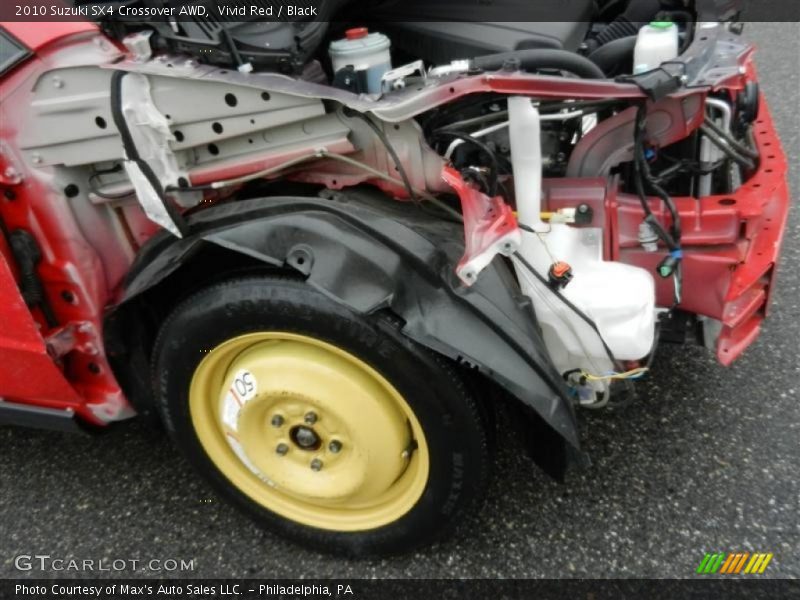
[
  {"x": 642, "y": 176},
  {"x": 494, "y": 163}
]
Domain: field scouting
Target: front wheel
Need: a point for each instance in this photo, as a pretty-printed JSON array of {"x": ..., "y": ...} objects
[{"x": 329, "y": 427}]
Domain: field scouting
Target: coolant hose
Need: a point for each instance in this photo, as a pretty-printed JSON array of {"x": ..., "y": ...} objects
[
  {"x": 610, "y": 55},
  {"x": 539, "y": 58}
]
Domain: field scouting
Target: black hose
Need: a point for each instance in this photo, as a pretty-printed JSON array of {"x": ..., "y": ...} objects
[
  {"x": 540, "y": 58},
  {"x": 494, "y": 163},
  {"x": 723, "y": 145},
  {"x": 736, "y": 145},
  {"x": 610, "y": 55}
]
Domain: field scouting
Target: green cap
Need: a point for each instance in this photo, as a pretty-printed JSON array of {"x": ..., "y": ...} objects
[{"x": 661, "y": 24}]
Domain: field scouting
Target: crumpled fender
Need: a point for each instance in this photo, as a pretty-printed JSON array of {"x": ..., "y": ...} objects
[{"x": 372, "y": 254}]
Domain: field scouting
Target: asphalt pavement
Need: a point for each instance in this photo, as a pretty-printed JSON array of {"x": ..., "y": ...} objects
[{"x": 708, "y": 459}]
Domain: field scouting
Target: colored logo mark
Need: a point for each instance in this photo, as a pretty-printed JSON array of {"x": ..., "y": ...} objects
[{"x": 733, "y": 563}]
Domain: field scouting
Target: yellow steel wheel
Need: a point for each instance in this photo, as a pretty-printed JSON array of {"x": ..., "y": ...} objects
[{"x": 309, "y": 431}]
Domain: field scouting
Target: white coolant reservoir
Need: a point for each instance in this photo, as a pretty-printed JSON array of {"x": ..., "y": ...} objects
[
  {"x": 619, "y": 298},
  {"x": 655, "y": 44}
]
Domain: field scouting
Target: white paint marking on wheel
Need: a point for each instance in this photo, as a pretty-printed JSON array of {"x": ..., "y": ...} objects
[
  {"x": 245, "y": 385},
  {"x": 243, "y": 389}
]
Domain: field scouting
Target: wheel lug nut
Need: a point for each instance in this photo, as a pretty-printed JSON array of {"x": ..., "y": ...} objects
[
  {"x": 277, "y": 421},
  {"x": 310, "y": 418},
  {"x": 316, "y": 464},
  {"x": 282, "y": 449},
  {"x": 335, "y": 446}
]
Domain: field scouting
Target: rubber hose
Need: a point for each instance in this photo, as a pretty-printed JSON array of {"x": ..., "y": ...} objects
[
  {"x": 537, "y": 58},
  {"x": 619, "y": 28},
  {"x": 611, "y": 54},
  {"x": 636, "y": 14}
]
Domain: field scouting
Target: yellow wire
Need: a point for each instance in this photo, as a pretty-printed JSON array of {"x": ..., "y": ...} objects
[
  {"x": 545, "y": 215},
  {"x": 625, "y": 375}
]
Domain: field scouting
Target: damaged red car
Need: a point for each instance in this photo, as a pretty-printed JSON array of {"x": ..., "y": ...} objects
[{"x": 321, "y": 253}]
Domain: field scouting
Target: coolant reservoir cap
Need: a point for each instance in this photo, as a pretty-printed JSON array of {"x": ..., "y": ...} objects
[
  {"x": 661, "y": 24},
  {"x": 356, "y": 33}
]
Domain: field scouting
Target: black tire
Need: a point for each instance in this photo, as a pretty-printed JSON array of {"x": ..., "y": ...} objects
[{"x": 431, "y": 386}]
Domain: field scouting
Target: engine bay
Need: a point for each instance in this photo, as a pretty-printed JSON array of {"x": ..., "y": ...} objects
[{"x": 597, "y": 157}]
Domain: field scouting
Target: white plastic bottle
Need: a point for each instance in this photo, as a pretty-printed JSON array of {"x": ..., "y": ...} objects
[
  {"x": 365, "y": 51},
  {"x": 655, "y": 44}
]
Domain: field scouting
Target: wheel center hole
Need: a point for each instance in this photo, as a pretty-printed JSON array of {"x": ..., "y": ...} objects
[{"x": 305, "y": 438}]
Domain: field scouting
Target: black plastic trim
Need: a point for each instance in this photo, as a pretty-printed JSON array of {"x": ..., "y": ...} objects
[
  {"x": 372, "y": 254},
  {"x": 23, "y": 415}
]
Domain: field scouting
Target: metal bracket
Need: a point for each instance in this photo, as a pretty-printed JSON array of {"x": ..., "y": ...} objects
[
  {"x": 490, "y": 227},
  {"x": 394, "y": 79}
]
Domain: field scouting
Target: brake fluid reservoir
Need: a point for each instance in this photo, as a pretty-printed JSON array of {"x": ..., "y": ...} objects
[
  {"x": 367, "y": 53},
  {"x": 655, "y": 44}
]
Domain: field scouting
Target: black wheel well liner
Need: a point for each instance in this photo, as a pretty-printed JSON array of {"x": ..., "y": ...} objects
[{"x": 367, "y": 253}]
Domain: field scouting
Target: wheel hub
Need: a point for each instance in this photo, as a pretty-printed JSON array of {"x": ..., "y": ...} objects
[{"x": 305, "y": 438}]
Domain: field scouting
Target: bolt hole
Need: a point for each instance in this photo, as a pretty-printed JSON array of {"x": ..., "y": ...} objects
[
  {"x": 771, "y": 156},
  {"x": 301, "y": 260},
  {"x": 768, "y": 143},
  {"x": 178, "y": 135},
  {"x": 756, "y": 185},
  {"x": 217, "y": 127},
  {"x": 334, "y": 182},
  {"x": 252, "y": 121},
  {"x": 71, "y": 190},
  {"x": 68, "y": 297},
  {"x": 94, "y": 368},
  {"x": 452, "y": 90},
  {"x": 768, "y": 170},
  {"x": 396, "y": 127},
  {"x": 249, "y": 140},
  {"x": 213, "y": 149},
  {"x": 265, "y": 96},
  {"x": 230, "y": 100},
  {"x": 100, "y": 122},
  {"x": 183, "y": 182},
  {"x": 727, "y": 202}
]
